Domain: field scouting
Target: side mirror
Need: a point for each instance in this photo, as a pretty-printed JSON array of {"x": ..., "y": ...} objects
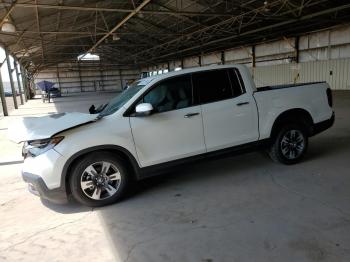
[
  {"x": 143, "y": 109},
  {"x": 92, "y": 109}
]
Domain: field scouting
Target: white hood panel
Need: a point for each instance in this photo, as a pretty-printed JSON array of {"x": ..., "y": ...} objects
[{"x": 32, "y": 128}]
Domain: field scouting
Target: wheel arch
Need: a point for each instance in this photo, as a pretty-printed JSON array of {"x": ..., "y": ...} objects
[
  {"x": 296, "y": 115},
  {"x": 121, "y": 152}
]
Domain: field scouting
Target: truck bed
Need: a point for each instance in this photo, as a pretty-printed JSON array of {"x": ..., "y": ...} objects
[
  {"x": 268, "y": 88},
  {"x": 311, "y": 97}
]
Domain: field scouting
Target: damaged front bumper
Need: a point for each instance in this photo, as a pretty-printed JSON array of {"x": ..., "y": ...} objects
[{"x": 37, "y": 186}]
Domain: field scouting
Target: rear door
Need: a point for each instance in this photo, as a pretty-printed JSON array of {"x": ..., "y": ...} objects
[
  {"x": 230, "y": 116},
  {"x": 175, "y": 129}
]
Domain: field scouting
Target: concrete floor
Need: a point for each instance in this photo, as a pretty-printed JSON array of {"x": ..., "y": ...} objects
[{"x": 243, "y": 208}]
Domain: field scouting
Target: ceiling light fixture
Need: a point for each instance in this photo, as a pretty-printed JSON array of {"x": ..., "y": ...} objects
[
  {"x": 115, "y": 37},
  {"x": 266, "y": 6},
  {"x": 8, "y": 27}
]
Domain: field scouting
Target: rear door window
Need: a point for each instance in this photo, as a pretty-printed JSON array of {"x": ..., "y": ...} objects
[
  {"x": 236, "y": 82},
  {"x": 212, "y": 86}
]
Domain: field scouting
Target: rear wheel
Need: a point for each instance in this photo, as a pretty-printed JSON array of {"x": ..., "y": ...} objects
[
  {"x": 289, "y": 145},
  {"x": 98, "y": 179}
]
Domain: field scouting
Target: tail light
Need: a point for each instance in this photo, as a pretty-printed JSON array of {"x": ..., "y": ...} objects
[{"x": 329, "y": 97}]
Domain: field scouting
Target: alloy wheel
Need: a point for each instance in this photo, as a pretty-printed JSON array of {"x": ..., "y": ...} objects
[
  {"x": 100, "y": 180},
  {"x": 292, "y": 144}
]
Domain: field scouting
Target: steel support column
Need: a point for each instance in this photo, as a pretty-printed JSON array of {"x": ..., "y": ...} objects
[
  {"x": 80, "y": 81},
  {"x": 14, "y": 95},
  {"x": 121, "y": 79},
  {"x": 25, "y": 86},
  {"x": 2, "y": 96},
  {"x": 296, "y": 46},
  {"x": 101, "y": 78},
  {"x": 253, "y": 56},
  {"x": 18, "y": 81},
  {"x": 223, "y": 57},
  {"x": 58, "y": 79}
]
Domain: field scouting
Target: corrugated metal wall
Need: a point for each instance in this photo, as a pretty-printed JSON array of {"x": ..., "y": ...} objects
[
  {"x": 81, "y": 78},
  {"x": 323, "y": 56},
  {"x": 335, "y": 72}
]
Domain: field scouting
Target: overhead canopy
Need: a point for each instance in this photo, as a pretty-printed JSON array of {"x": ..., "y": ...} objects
[{"x": 145, "y": 32}]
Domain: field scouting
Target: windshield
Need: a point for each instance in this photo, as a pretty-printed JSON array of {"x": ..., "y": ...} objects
[{"x": 116, "y": 103}]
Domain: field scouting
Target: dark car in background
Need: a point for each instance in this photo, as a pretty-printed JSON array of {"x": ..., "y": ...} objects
[
  {"x": 55, "y": 92},
  {"x": 52, "y": 93},
  {"x": 9, "y": 93}
]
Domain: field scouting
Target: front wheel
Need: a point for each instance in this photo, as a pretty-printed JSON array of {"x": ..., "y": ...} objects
[
  {"x": 289, "y": 145},
  {"x": 98, "y": 179}
]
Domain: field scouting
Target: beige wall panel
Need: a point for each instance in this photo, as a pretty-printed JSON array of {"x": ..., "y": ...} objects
[
  {"x": 210, "y": 59},
  {"x": 191, "y": 62},
  {"x": 334, "y": 72}
]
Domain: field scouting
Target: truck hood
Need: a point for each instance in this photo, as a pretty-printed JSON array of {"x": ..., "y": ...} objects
[{"x": 33, "y": 128}]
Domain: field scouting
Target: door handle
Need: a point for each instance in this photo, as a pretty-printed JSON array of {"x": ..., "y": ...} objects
[
  {"x": 242, "y": 103},
  {"x": 190, "y": 115}
]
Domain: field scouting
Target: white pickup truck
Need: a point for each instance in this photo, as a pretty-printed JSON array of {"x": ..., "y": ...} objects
[{"x": 167, "y": 120}]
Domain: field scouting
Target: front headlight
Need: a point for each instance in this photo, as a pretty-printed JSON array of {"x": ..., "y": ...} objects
[{"x": 37, "y": 147}]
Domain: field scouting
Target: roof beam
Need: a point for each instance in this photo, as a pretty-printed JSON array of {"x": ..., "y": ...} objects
[
  {"x": 214, "y": 27},
  {"x": 181, "y": 16},
  {"x": 302, "y": 18},
  {"x": 38, "y": 25},
  {"x": 118, "y": 10},
  {"x": 130, "y": 15},
  {"x": 58, "y": 23},
  {"x": 8, "y": 14},
  {"x": 204, "y": 29},
  {"x": 301, "y": 7},
  {"x": 87, "y": 45},
  {"x": 9, "y": 11},
  {"x": 86, "y": 33}
]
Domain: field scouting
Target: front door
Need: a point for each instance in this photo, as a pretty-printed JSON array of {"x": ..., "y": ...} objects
[{"x": 175, "y": 129}]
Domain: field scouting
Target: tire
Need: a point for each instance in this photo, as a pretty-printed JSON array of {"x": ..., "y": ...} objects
[
  {"x": 289, "y": 144},
  {"x": 99, "y": 179}
]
